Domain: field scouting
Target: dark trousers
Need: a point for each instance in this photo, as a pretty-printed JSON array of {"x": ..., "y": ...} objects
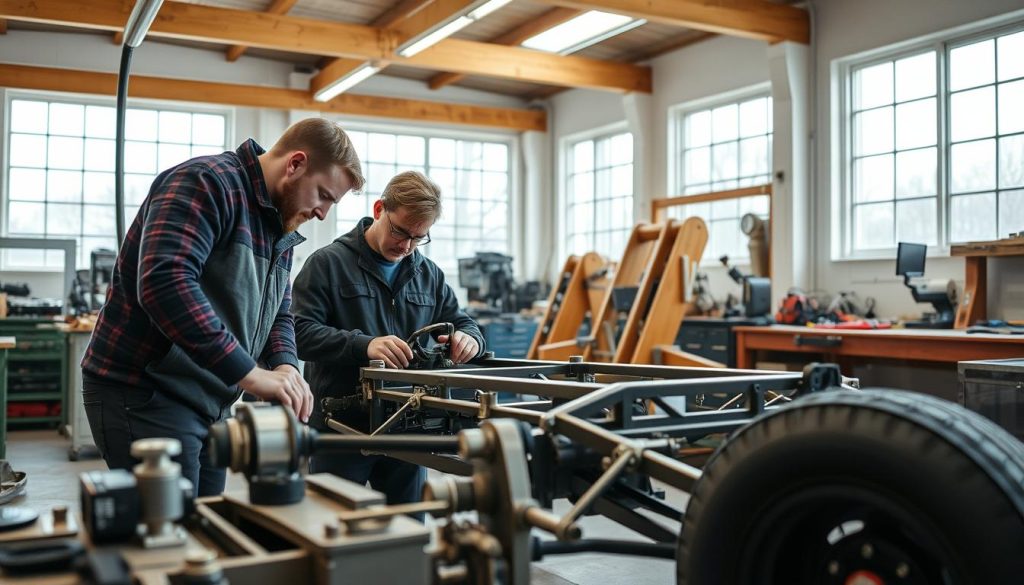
[
  {"x": 401, "y": 482},
  {"x": 119, "y": 415}
]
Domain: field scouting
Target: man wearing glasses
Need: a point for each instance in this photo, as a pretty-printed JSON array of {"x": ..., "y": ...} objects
[{"x": 356, "y": 300}]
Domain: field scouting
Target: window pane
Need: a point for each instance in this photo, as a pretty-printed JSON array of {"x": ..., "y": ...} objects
[
  {"x": 973, "y": 166},
  {"x": 724, "y": 123},
  {"x": 972, "y": 65},
  {"x": 582, "y": 187},
  {"x": 140, "y": 157},
  {"x": 28, "y": 184},
  {"x": 26, "y": 218},
  {"x": 724, "y": 161},
  {"x": 169, "y": 155},
  {"x": 136, "y": 187},
  {"x": 973, "y": 114},
  {"x": 754, "y": 156},
  {"x": 381, "y": 147},
  {"x": 411, "y": 151},
  {"x": 622, "y": 181},
  {"x": 971, "y": 217},
  {"x": 99, "y": 220},
  {"x": 28, "y": 116},
  {"x": 445, "y": 179},
  {"x": 698, "y": 129},
  {"x": 873, "y": 226},
  {"x": 583, "y": 156},
  {"x": 67, "y": 119},
  {"x": 872, "y": 86},
  {"x": 101, "y": 122},
  {"x": 873, "y": 178},
  {"x": 64, "y": 186},
  {"x": 469, "y": 155},
  {"x": 28, "y": 150},
  {"x": 725, "y": 209},
  {"x": 208, "y": 129},
  {"x": 698, "y": 165},
  {"x": 1011, "y": 47},
  {"x": 1011, "y": 212},
  {"x": 140, "y": 124},
  {"x": 1011, "y": 162},
  {"x": 442, "y": 152},
  {"x": 378, "y": 176},
  {"x": 469, "y": 184},
  {"x": 175, "y": 127},
  {"x": 495, "y": 186},
  {"x": 98, "y": 188},
  {"x": 621, "y": 149},
  {"x": 495, "y": 157},
  {"x": 915, "y": 124},
  {"x": 754, "y": 117},
  {"x": 916, "y": 173},
  {"x": 63, "y": 219},
  {"x": 495, "y": 216},
  {"x": 916, "y": 221},
  {"x": 873, "y": 132},
  {"x": 915, "y": 77},
  {"x": 100, "y": 155},
  {"x": 1011, "y": 114},
  {"x": 64, "y": 152}
]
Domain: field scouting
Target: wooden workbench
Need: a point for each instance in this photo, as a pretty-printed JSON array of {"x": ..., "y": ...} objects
[{"x": 925, "y": 345}]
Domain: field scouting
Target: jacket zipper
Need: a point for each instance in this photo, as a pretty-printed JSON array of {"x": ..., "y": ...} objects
[{"x": 263, "y": 300}]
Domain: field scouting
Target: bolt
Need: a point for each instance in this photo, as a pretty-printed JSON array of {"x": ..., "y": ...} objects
[
  {"x": 331, "y": 530},
  {"x": 902, "y": 570},
  {"x": 575, "y": 359},
  {"x": 833, "y": 568},
  {"x": 377, "y": 364},
  {"x": 867, "y": 551}
]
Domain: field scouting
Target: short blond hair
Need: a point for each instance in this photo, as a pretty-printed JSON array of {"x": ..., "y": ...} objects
[
  {"x": 416, "y": 192},
  {"x": 325, "y": 143}
]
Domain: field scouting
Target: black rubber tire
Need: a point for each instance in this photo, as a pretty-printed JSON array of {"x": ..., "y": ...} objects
[{"x": 950, "y": 480}]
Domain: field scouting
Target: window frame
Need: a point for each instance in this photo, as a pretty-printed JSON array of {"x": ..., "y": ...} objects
[
  {"x": 842, "y": 129},
  {"x": 564, "y": 166},
  {"x": 676, "y": 171},
  {"x": 7, "y": 96},
  {"x": 330, "y": 231}
]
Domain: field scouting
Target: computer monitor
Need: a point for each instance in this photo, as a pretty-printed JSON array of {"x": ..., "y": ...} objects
[{"x": 910, "y": 259}]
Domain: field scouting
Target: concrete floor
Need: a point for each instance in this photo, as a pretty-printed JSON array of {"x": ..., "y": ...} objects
[{"x": 53, "y": 480}]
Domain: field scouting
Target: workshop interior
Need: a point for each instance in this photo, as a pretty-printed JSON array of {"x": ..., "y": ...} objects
[{"x": 744, "y": 280}]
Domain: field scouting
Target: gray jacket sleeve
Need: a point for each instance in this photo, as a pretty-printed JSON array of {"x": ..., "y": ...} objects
[{"x": 312, "y": 303}]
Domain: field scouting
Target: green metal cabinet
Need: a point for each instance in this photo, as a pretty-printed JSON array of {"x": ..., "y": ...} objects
[{"x": 37, "y": 372}]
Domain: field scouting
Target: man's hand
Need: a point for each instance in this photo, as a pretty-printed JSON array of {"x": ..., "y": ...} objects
[
  {"x": 464, "y": 347},
  {"x": 284, "y": 384},
  {"x": 394, "y": 351}
]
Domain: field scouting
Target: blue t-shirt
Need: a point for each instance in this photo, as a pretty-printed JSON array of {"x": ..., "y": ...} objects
[{"x": 390, "y": 270}]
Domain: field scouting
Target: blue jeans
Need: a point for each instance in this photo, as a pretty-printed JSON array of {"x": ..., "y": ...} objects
[
  {"x": 400, "y": 482},
  {"x": 119, "y": 415}
]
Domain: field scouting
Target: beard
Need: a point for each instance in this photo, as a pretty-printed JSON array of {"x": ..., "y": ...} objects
[{"x": 287, "y": 206}]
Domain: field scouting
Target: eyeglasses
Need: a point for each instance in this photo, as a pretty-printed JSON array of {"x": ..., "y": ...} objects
[{"x": 400, "y": 235}]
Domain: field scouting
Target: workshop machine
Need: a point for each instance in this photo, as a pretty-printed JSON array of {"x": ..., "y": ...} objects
[{"x": 810, "y": 481}]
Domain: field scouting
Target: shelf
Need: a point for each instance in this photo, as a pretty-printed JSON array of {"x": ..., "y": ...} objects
[
  {"x": 35, "y": 357},
  {"x": 13, "y": 420},
  {"x": 26, "y": 396}
]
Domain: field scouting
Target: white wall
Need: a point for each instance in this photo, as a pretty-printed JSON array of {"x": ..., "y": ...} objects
[
  {"x": 96, "y": 52},
  {"x": 844, "y": 28}
]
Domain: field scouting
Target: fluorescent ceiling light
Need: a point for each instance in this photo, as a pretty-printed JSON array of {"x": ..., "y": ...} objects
[
  {"x": 343, "y": 84},
  {"x": 417, "y": 44},
  {"x": 581, "y": 32},
  {"x": 487, "y": 8}
]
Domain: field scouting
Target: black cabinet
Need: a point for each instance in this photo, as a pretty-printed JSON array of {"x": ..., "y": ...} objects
[{"x": 712, "y": 338}]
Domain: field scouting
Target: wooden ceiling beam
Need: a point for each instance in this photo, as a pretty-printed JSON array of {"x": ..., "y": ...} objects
[
  {"x": 3, "y": 26},
  {"x": 256, "y": 96},
  {"x": 322, "y": 38},
  {"x": 392, "y": 18},
  {"x": 516, "y": 36},
  {"x": 754, "y": 19},
  {"x": 276, "y": 7}
]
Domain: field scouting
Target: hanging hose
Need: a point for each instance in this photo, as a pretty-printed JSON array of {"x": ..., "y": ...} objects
[{"x": 122, "y": 98}]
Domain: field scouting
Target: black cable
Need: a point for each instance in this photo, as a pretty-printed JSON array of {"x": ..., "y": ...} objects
[
  {"x": 122, "y": 98},
  {"x": 660, "y": 550}
]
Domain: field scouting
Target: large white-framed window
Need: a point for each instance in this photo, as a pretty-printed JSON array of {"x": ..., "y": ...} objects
[
  {"x": 598, "y": 193},
  {"x": 720, "y": 144},
  {"x": 59, "y": 167},
  {"x": 932, "y": 143},
  {"x": 474, "y": 172}
]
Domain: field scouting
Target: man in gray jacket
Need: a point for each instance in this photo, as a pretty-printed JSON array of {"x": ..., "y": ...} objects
[{"x": 356, "y": 300}]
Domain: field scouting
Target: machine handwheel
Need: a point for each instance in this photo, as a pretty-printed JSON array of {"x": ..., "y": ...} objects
[{"x": 859, "y": 487}]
